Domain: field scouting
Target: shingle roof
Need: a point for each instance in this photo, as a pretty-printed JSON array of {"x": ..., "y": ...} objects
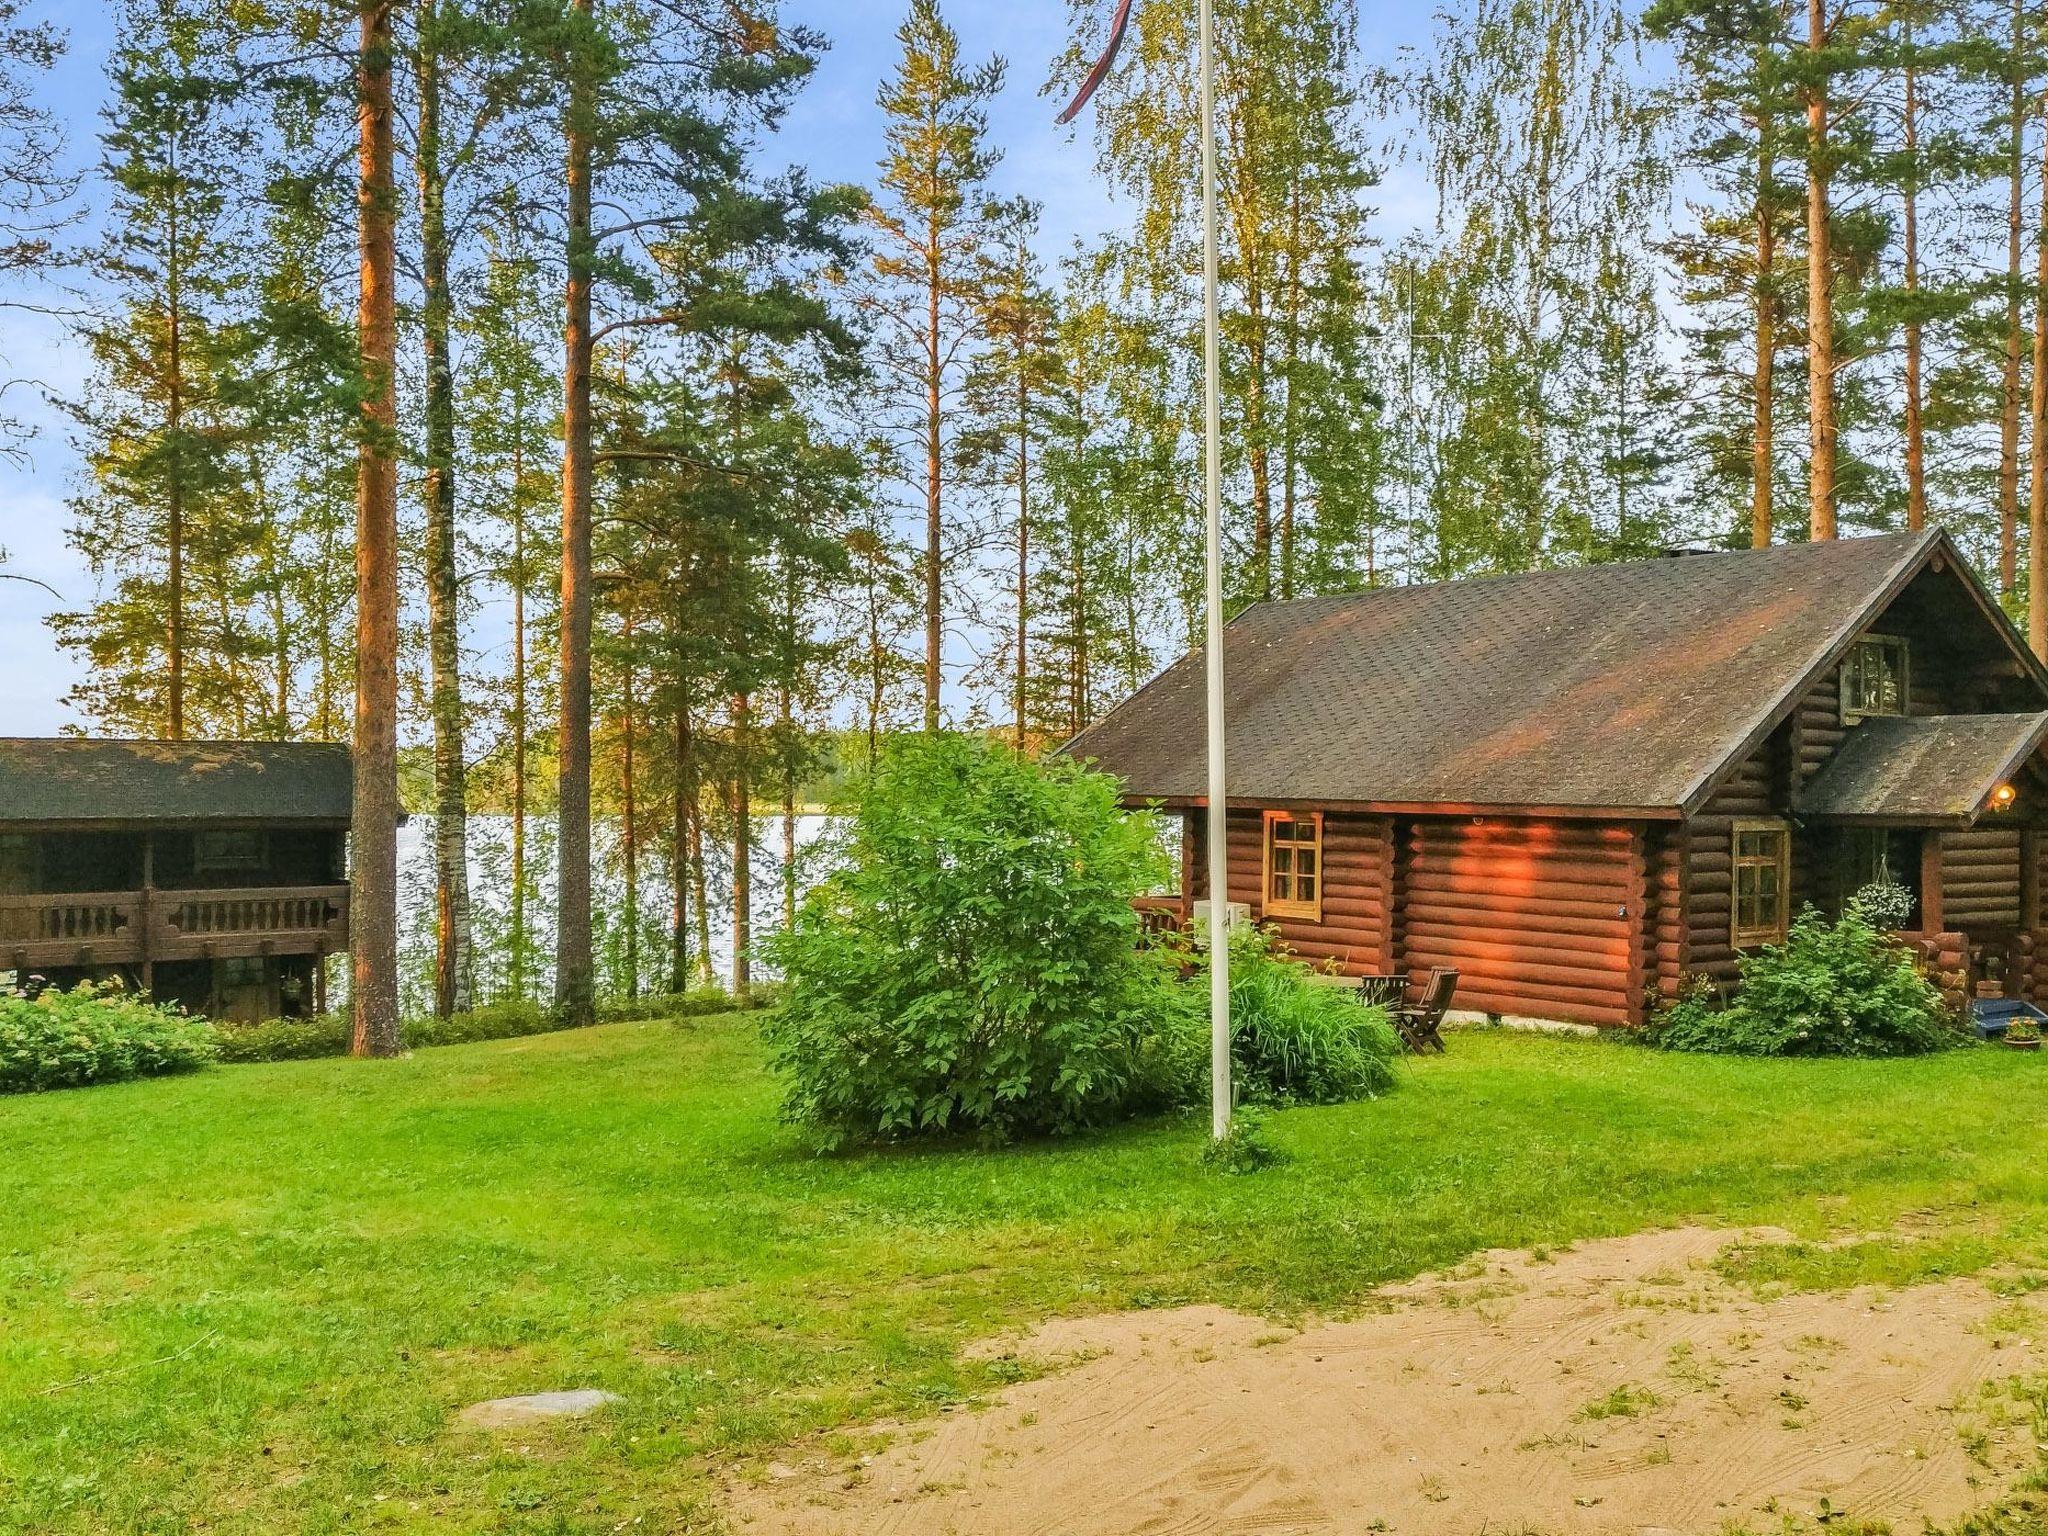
[
  {"x": 78, "y": 779},
  {"x": 1927, "y": 768},
  {"x": 1611, "y": 687}
]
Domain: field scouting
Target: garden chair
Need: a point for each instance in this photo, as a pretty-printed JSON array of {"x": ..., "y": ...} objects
[
  {"x": 1419, "y": 1022},
  {"x": 1381, "y": 991}
]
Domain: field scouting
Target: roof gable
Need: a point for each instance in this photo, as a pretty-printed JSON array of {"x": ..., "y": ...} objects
[
  {"x": 77, "y": 779},
  {"x": 1612, "y": 688}
]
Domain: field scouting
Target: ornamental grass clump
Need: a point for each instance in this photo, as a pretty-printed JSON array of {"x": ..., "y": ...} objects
[
  {"x": 1296, "y": 1040},
  {"x": 972, "y": 964},
  {"x": 94, "y": 1035},
  {"x": 1831, "y": 989}
]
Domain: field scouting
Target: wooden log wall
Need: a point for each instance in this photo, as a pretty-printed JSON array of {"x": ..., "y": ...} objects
[
  {"x": 1818, "y": 729},
  {"x": 1980, "y": 878},
  {"x": 1542, "y": 919},
  {"x": 1357, "y": 866},
  {"x": 1666, "y": 853},
  {"x": 1710, "y": 853}
]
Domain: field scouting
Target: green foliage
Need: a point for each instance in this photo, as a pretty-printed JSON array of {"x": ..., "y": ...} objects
[
  {"x": 94, "y": 1035},
  {"x": 1295, "y": 1040},
  {"x": 328, "y": 1035},
  {"x": 972, "y": 964},
  {"x": 1831, "y": 989},
  {"x": 1243, "y": 1148}
]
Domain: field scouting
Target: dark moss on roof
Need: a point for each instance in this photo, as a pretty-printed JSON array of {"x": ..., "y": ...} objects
[
  {"x": 78, "y": 779},
  {"x": 1927, "y": 768},
  {"x": 1610, "y": 687}
]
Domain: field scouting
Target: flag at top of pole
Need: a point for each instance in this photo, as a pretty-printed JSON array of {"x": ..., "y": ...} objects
[{"x": 1212, "y": 432}]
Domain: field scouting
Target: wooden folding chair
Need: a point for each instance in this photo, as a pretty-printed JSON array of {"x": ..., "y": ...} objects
[{"x": 1420, "y": 1023}]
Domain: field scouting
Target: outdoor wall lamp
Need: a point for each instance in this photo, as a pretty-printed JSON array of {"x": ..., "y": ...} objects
[{"x": 2003, "y": 797}]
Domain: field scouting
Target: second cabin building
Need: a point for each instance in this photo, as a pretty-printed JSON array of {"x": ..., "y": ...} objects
[
  {"x": 1582, "y": 787},
  {"x": 207, "y": 874}
]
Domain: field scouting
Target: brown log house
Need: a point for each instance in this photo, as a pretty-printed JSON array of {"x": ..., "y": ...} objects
[
  {"x": 209, "y": 874},
  {"x": 1581, "y": 788}
]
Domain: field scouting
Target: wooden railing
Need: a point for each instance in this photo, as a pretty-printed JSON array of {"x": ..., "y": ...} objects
[
  {"x": 194, "y": 914},
  {"x": 132, "y": 927},
  {"x": 84, "y": 918}
]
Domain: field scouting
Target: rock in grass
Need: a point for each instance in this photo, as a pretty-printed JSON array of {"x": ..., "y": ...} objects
[{"x": 513, "y": 1412}]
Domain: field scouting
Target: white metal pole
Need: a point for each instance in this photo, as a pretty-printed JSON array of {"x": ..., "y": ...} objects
[{"x": 1219, "y": 844}]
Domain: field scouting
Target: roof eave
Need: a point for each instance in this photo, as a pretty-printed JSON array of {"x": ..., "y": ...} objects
[
  {"x": 1909, "y": 565},
  {"x": 1516, "y": 809}
]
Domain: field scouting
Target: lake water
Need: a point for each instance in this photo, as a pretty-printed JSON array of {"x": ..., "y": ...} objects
[{"x": 490, "y": 886}]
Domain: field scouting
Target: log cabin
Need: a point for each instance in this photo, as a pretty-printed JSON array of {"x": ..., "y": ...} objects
[
  {"x": 207, "y": 874},
  {"x": 1583, "y": 788}
]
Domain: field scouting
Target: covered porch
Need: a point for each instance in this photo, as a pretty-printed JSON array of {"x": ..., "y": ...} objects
[{"x": 1952, "y": 808}]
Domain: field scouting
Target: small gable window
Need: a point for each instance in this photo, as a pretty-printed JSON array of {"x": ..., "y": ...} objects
[
  {"x": 1874, "y": 677},
  {"x": 1763, "y": 856},
  {"x": 1294, "y": 864}
]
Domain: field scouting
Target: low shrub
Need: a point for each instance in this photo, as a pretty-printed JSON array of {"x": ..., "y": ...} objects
[
  {"x": 285, "y": 1039},
  {"x": 971, "y": 963},
  {"x": 329, "y": 1034},
  {"x": 1831, "y": 989},
  {"x": 1295, "y": 1040},
  {"x": 1244, "y": 1148},
  {"x": 693, "y": 1004},
  {"x": 94, "y": 1035}
]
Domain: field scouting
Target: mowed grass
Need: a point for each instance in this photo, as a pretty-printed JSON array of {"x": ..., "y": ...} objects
[{"x": 254, "y": 1300}]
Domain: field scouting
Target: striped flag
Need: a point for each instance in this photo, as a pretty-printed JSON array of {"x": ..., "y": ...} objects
[{"x": 1118, "y": 24}]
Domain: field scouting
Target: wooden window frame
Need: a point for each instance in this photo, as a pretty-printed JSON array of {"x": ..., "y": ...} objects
[
  {"x": 1270, "y": 905},
  {"x": 216, "y": 865},
  {"x": 1749, "y": 938},
  {"x": 1850, "y": 712}
]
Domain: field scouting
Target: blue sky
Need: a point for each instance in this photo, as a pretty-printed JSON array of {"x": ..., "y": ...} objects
[{"x": 835, "y": 130}]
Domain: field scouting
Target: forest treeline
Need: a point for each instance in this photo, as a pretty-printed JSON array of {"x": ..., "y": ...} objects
[{"x": 493, "y": 373}]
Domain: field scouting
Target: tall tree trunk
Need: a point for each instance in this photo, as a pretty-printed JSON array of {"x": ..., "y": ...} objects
[
  {"x": 1820, "y": 302},
  {"x": 1258, "y": 451},
  {"x": 1763, "y": 444},
  {"x": 517, "y": 915},
  {"x": 1290, "y": 421},
  {"x": 575, "y": 998},
  {"x": 1916, "y": 441},
  {"x": 934, "y": 443},
  {"x": 2009, "y": 400},
  {"x": 629, "y": 827},
  {"x": 374, "y": 837},
  {"x": 174, "y": 421},
  {"x": 699, "y": 901},
  {"x": 453, "y": 969},
  {"x": 742, "y": 852},
  {"x": 2037, "y": 487},
  {"x": 678, "y": 896},
  {"x": 1023, "y": 636}
]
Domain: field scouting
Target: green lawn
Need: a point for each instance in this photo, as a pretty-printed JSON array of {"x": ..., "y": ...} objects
[{"x": 252, "y": 1300}]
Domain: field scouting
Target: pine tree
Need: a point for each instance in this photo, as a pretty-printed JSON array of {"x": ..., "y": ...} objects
[
  {"x": 1733, "y": 90},
  {"x": 930, "y": 229},
  {"x": 1006, "y": 402},
  {"x": 167, "y": 421}
]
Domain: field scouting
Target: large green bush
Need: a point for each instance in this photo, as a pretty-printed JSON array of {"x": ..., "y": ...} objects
[
  {"x": 972, "y": 962},
  {"x": 94, "y": 1035},
  {"x": 1297, "y": 1040},
  {"x": 1831, "y": 989}
]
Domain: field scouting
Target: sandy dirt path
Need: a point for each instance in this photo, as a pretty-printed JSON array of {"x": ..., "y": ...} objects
[{"x": 1620, "y": 1387}]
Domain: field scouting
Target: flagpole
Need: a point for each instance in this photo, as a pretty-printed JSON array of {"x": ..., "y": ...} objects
[{"x": 1219, "y": 845}]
